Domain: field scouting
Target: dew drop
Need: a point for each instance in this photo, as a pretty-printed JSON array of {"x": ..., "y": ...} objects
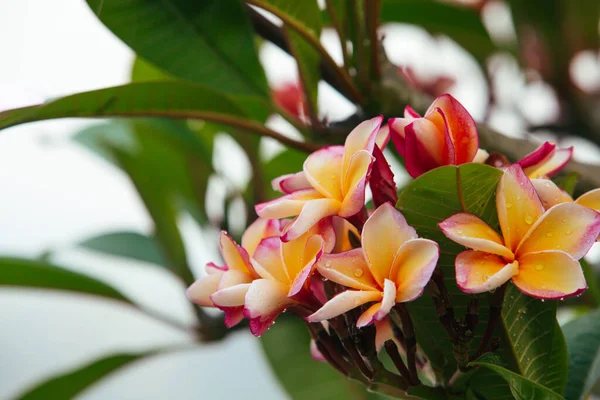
[
  {"x": 358, "y": 272},
  {"x": 549, "y": 234},
  {"x": 543, "y": 300},
  {"x": 518, "y": 197},
  {"x": 568, "y": 233},
  {"x": 528, "y": 219},
  {"x": 508, "y": 205},
  {"x": 327, "y": 264},
  {"x": 539, "y": 267},
  {"x": 564, "y": 220},
  {"x": 459, "y": 231}
]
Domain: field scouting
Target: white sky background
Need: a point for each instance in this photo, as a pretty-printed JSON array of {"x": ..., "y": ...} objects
[{"x": 54, "y": 193}]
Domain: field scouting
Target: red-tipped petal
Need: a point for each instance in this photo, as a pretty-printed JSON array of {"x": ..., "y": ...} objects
[
  {"x": 291, "y": 183},
  {"x": 478, "y": 272}
]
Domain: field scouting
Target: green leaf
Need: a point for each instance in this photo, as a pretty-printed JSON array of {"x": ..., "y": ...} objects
[
  {"x": 521, "y": 387},
  {"x": 527, "y": 325},
  {"x": 144, "y": 99},
  {"x": 286, "y": 346},
  {"x": 461, "y": 24},
  {"x": 127, "y": 244},
  {"x": 72, "y": 383},
  {"x": 35, "y": 274},
  {"x": 301, "y": 15},
  {"x": 143, "y": 71},
  {"x": 209, "y": 42},
  {"x": 583, "y": 340}
]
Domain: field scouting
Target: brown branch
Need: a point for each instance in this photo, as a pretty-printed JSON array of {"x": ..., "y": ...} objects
[
  {"x": 496, "y": 300},
  {"x": 410, "y": 340},
  {"x": 392, "y": 350}
]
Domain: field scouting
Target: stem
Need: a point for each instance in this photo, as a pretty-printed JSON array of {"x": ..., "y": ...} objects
[
  {"x": 339, "y": 29},
  {"x": 343, "y": 77},
  {"x": 392, "y": 350},
  {"x": 372, "y": 12},
  {"x": 410, "y": 340},
  {"x": 496, "y": 300}
]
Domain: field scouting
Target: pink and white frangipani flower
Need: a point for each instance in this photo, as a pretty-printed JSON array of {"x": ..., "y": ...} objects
[
  {"x": 538, "y": 249},
  {"x": 545, "y": 161},
  {"x": 392, "y": 266},
  {"x": 551, "y": 195},
  {"x": 237, "y": 270},
  {"x": 283, "y": 270},
  {"x": 446, "y": 135},
  {"x": 332, "y": 182}
]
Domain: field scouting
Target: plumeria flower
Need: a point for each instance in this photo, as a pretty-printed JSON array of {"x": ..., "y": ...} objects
[
  {"x": 538, "y": 249},
  {"x": 236, "y": 270},
  {"x": 545, "y": 161},
  {"x": 446, "y": 135},
  {"x": 392, "y": 266},
  {"x": 290, "y": 97},
  {"x": 551, "y": 195},
  {"x": 332, "y": 183},
  {"x": 283, "y": 270}
]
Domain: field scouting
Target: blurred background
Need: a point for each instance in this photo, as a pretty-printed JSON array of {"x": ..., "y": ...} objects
[{"x": 56, "y": 193}]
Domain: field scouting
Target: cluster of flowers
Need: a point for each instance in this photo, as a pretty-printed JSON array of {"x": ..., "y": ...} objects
[{"x": 373, "y": 256}]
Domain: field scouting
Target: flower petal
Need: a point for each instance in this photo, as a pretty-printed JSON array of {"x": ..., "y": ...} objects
[
  {"x": 361, "y": 138},
  {"x": 472, "y": 232},
  {"x": 323, "y": 169},
  {"x": 461, "y": 127},
  {"x": 397, "y": 133},
  {"x": 315, "y": 353},
  {"x": 257, "y": 231},
  {"x": 289, "y": 205},
  {"x": 354, "y": 183},
  {"x": 349, "y": 269},
  {"x": 518, "y": 205},
  {"x": 383, "y": 137},
  {"x": 538, "y": 156},
  {"x": 383, "y": 234},
  {"x": 232, "y": 296},
  {"x": 590, "y": 199},
  {"x": 379, "y": 310},
  {"x": 235, "y": 257},
  {"x": 233, "y": 315},
  {"x": 291, "y": 182},
  {"x": 478, "y": 272},
  {"x": 412, "y": 268},
  {"x": 551, "y": 166},
  {"x": 481, "y": 156},
  {"x": 200, "y": 291},
  {"x": 549, "y": 275},
  {"x": 343, "y": 230},
  {"x": 569, "y": 227},
  {"x": 549, "y": 193},
  {"x": 310, "y": 256},
  {"x": 312, "y": 212},
  {"x": 265, "y": 300},
  {"x": 383, "y": 333},
  {"x": 267, "y": 260},
  {"x": 232, "y": 278},
  {"x": 344, "y": 302}
]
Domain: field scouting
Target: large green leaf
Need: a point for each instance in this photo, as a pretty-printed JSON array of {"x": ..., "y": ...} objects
[
  {"x": 459, "y": 23},
  {"x": 286, "y": 346},
  {"x": 527, "y": 325},
  {"x": 131, "y": 245},
  {"x": 144, "y": 99},
  {"x": 35, "y": 274},
  {"x": 209, "y": 42},
  {"x": 302, "y": 15},
  {"x": 583, "y": 340},
  {"x": 521, "y": 387},
  {"x": 72, "y": 383}
]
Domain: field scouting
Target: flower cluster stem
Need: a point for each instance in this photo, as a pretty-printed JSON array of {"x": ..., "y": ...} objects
[
  {"x": 496, "y": 300},
  {"x": 410, "y": 341}
]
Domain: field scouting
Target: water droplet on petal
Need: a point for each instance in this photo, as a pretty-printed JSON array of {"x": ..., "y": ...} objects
[
  {"x": 508, "y": 205},
  {"x": 459, "y": 231},
  {"x": 568, "y": 233},
  {"x": 327, "y": 264},
  {"x": 549, "y": 234},
  {"x": 539, "y": 267},
  {"x": 528, "y": 219},
  {"x": 518, "y": 197},
  {"x": 358, "y": 272}
]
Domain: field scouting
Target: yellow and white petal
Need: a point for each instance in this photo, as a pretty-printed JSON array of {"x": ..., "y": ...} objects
[
  {"x": 549, "y": 193},
  {"x": 354, "y": 183},
  {"x": 343, "y": 229},
  {"x": 518, "y": 205},
  {"x": 472, "y": 232},
  {"x": 267, "y": 261},
  {"x": 323, "y": 169},
  {"x": 257, "y": 231},
  {"x": 361, "y": 138},
  {"x": 265, "y": 300},
  {"x": 590, "y": 199},
  {"x": 200, "y": 291},
  {"x": 344, "y": 302},
  {"x": 478, "y": 272},
  {"x": 412, "y": 268},
  {"x": 289, "y": 205},
  {"x": 309, "y": 257},
  {"x": 549, "y": 167},
  {"x": 235, "y": 257},
  {"x": 383, "y": 234},
  {"x": 233, "y": 277},
  {"x": 481, "y": 156},
  {"x": 290, "y": 183},
  {"x": 549, "y": 275},
  {"x": 231, "y": 296},
  {"x": 568, "y": 227},
  {"x": 379, "y": 310},
  {"x": 312, "y": 212},
  {"x": 349, "y": 269}
]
